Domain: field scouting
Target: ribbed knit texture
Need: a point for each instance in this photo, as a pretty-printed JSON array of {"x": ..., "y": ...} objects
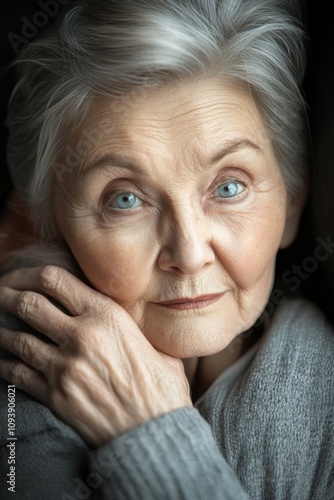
[{"x": 168, "y": 455}]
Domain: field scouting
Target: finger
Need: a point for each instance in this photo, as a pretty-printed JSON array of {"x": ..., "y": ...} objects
[
  {"x": 33, "y": 351},
  {"x": 25, "y": 378},
  {"x": 55, "y": 282},
  {"x": 38, "y": 312}
]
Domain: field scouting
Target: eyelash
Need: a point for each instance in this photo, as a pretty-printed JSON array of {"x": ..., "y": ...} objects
[
  {"x": 112, "y": 195},
  {"x": 235, "y": 198},
  {"x": 109, "y": 195}
]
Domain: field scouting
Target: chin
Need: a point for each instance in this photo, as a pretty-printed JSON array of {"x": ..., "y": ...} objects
[{"x": 187, "y": 341}]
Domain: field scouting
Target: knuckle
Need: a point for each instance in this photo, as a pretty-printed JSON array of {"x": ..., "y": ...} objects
[
  {"x": 50, "y": 277},
  {"x": 26, "y": 304},
  {"x": 25, "y": 347},
  {"x": 19, "y": 374},
  {"x": 22, "y": 345}
]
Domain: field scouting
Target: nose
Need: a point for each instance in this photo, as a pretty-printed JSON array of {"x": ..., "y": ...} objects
[{"x": 186, "y": 245}]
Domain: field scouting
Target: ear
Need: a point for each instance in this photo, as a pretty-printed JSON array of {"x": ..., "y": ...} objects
[{"x": 295, "y": 206}]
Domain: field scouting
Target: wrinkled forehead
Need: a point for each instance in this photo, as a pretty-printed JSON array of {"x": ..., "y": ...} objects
[{"x": 190, "y": 117}]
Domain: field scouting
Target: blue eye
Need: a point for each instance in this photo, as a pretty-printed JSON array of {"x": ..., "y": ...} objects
[
  {"x": 230, "y": 189},
  {"x": 124, "y": 201}
]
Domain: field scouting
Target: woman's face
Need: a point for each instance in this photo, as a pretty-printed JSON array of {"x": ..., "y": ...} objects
[{"x": 179, "y": 196}]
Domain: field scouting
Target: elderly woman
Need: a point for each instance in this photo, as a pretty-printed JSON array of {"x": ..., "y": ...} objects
[{"x": 160, "y": 148}]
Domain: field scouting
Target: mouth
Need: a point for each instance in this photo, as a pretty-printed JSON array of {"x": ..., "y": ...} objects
[{"x": 186, "y": 303}]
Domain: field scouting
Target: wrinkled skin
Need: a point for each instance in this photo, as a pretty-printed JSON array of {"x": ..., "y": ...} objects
[{"x": 179, "y": 196}]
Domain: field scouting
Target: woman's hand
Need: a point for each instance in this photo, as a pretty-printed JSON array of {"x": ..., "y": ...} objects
[{"x": 102, "y": 377}]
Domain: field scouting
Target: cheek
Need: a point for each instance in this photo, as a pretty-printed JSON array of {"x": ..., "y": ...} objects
[
  {"x": 247, "y": 247},
  {"x": 119, "y": 267}
]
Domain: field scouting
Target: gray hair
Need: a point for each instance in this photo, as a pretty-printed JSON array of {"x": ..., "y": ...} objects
[{"x": 113, "y": 47}]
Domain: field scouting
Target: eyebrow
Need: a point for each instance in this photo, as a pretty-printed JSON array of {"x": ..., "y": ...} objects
[
  {"x": 111, "y": 160},
  {"x": 114, "y": 160},
  {"x": 232, "y": 146}
]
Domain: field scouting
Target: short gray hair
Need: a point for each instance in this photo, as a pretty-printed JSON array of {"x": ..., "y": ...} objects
[{"x": 113, "y": 47}]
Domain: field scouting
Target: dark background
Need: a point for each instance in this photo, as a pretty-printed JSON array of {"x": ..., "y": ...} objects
[
  {"x": 13, "y": 23},
  {"x": 318, "y": 219}
]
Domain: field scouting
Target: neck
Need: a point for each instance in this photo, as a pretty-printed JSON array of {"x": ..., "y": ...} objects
[{"x": 202, "y": 372}]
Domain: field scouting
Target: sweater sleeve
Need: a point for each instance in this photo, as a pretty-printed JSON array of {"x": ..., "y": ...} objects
[{"x": 174, "y": 456}]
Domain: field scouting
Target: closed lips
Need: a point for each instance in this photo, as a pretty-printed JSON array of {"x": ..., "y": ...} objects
[{"x": 183, "y": 300}]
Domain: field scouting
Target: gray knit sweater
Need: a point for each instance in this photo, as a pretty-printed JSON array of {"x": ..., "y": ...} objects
[{"x": 263, "y": 430}]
